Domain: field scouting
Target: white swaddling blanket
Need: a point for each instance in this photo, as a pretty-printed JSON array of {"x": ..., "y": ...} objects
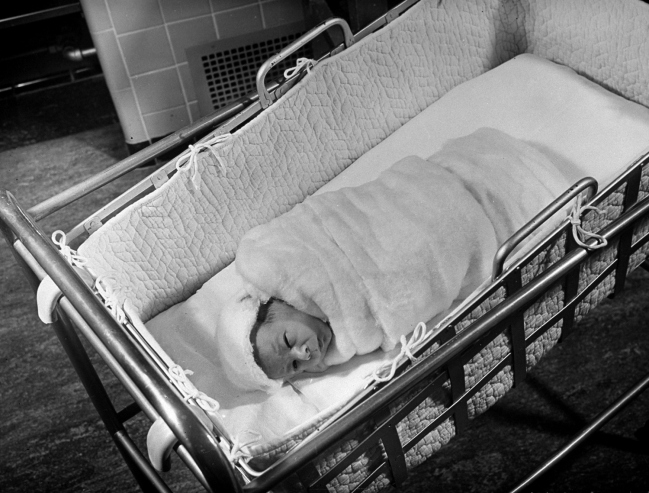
[
  {"x": 586, "y": 128},
  {"x": 377, "y": 259}
]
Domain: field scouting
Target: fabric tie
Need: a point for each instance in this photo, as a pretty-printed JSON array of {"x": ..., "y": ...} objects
[
  {"x": 73, "y": 258},
  {"x": 236, "y": 452},
  {"x": 418, "y": 337},
  {"x": 179, "y": 377},
  {"x": 188, "y": 161},
  {"x": 106, "y": 291},
  {"x": 301, "y": 62},
  {"x": 578, "y": 232}
]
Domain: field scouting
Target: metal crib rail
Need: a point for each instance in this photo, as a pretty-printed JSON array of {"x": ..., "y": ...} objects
[{"x": 194, "y": 436}]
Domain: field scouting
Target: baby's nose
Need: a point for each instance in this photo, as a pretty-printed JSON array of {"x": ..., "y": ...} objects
[{"x": 303, "y": 352}]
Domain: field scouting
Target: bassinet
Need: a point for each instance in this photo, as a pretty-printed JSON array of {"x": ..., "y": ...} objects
[{"x": 342, "y": 109}]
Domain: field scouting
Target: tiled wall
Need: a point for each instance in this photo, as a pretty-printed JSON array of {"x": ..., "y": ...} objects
[{"x": 141, "y": 47}]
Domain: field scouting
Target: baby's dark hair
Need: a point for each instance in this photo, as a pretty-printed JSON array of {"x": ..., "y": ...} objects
[{"x": 264, "y": 315}]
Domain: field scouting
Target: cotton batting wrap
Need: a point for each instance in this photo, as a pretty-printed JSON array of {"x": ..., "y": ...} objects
[{"x": 210, "y": 333}]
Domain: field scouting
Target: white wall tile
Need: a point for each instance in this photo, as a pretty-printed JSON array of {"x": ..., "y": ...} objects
[
  {"x": 239, "y": 21},
  {"x": 131, "y": 16},
  {"x": 176, "y": 10},
  {"x": 129, "y": 116},
  {"x": 96, "y": 15},
  {"x": 158, "y": 91},
  {"x": 194, "y": 32},
  {"x": 111, "y": 61},
  {"x": 165, "y": 122},
  {"x": 146, "y": 50}
]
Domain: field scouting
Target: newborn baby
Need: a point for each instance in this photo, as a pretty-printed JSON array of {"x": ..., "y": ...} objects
[{"x": 287, "y": 341}]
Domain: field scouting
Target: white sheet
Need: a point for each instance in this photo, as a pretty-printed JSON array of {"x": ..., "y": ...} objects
[{"x": 589, "y": 131}]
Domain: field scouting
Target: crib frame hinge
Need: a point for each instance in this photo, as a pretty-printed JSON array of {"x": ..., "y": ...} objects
[
  {"x": 92, "y": 224},
  {"x": 159, "y": 178}
]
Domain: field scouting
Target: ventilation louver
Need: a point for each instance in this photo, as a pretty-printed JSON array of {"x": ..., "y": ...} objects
[{"x": 225, "y": 70}]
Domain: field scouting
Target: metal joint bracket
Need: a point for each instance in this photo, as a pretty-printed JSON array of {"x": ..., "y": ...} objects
[
  {"x": 92, "y": 225},
  {"x": 390, "y": 16},
  {"x": 48, "y": 294},
  {"x": 160, "y": 440},
  {"x": 159, "y": 443},
  {"x": 159, "y": 178}
]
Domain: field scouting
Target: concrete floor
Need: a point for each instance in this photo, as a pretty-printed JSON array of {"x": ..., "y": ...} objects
[{"x": 51, "y": 438}]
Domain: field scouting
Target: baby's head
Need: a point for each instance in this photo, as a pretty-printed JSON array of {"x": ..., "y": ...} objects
[{"x": 287, "y": 341}]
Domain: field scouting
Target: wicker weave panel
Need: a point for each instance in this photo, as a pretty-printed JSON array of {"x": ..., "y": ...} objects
[
  {"x": 544, "y": 260},
  {"x": 611, "y": 207},
  {"x": 495, "y": 299},
  {"x": 595, "y": 265},
  {"x": 540, "y": 312},
  {"x": 430, "y": 444},
  {"x": 637, "y": 258},
  {"x": 489, "y": 394},
  {"x": 643, "y": 252},
  {"x": 641, "y": 229},
  {"x": 358, "y": 470},
  {"x": 483, "y": 362},
  {"x": 339, "y": 451},
  {"x": 594, "y": 297},
  {"x": 643, "y": 192},
  {"x": 543, "y": 344},
  {"x": 380, "y": 483},
  {"x": 422, "y": 415}
]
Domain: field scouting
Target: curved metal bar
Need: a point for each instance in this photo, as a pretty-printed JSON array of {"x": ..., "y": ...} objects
[
  {"x": 265, "y": 98},
  {"x": 507, "y": 247},
  {"x": 190, "y": 431}
]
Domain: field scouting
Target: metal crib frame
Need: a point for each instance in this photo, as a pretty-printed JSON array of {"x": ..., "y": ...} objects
[{"x": 79, "y": 310}]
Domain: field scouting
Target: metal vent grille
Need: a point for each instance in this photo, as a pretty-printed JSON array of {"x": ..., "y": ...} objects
[{"x": 226, "y": 70}]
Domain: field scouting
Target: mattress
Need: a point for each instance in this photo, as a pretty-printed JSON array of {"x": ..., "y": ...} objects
[{"x": 588, "y": 131}]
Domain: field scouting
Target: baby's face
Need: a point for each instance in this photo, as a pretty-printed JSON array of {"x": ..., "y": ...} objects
[{"x": 292, "y": 342}]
